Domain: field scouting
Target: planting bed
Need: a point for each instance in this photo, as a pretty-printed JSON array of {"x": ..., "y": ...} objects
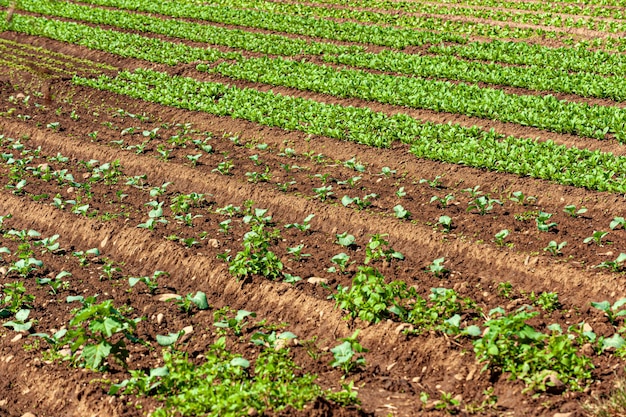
[{"x": 351, "y": 208}]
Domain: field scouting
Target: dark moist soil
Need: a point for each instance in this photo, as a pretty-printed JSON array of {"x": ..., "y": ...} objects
[{"x": 399, "y": 367}]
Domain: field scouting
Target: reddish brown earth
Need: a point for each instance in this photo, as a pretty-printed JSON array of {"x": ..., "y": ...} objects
[{"x": 399, "y": 367}]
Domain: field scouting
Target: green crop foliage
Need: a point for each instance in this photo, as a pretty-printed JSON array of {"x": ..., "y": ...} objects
[
  {"x": 448, "y": 143},
  {"x": 256, "y": 258},
  {"x": 93, "y": 328},
  {"x": 188, "y": 388},
  {"x": 511, "y": 345}
]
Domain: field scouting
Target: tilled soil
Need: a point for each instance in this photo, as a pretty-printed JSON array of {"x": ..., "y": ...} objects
[{"x": 402, "y": 370}]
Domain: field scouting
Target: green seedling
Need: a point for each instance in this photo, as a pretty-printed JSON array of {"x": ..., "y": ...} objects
[
  {"x": 236, "y": 323},
  {"x": 24, "y": 267},
  {"x": 341, "y": 260},
  {"x": 437, "y": 269},
  {"x": 304, "y": 227},
  {"x": 446, "y": 223},
  {"x": 387, "y": 172},
  {"x": 547, "y": 301},
  {"x": 443, "y": 202},
  {"x": 473, "y": 192},
  {"x": 596, "y": 237},
  {"x": 323, "y": 192},
  {"x": 296, "y": 252},
  {"x": 542, "y": 222},
  {"x": 157, "y": 191},
  {"x": 616, "y": 265},
  {"x": 400, "y": 193},
  {"x": 55, "y": 283},
  {"x": 194, "y": 159},
  {"x": 19, "y": 323},
  {"x": 224, "y": 167},
  {"x": 82, "y": 256},
  {"x": 401, "y": 212},
  {"x": 353, "y": 164},
  {"x": 434, "y": 183},
  {"x": 505, "y": 289},
  {"x": 93, "y": 329},
  {"x": 256, "y": 258},
  {"x": 15, "y": 299},
  {"x": 571, "y": 210},
  {"x": 555, "y": 248},
  {"x": 612, "y": 312},
  {"x": 186, "y": 303},
  {"x": 482, "y": 204},
  {"x": 150, "y": 282},
  {"x": 522, "y": 199},
  {"x": 225, "y": 226},
  {"x": 345, "y": 355},
  {"x": 345, "y": 239},
  {"x": 378, "y": 248},
  {"x": 499, "y": 237},
  {"x": 617, "y": 222},
  {"x": 350, "y": 181},
  {"x": 154, "y": 216}
]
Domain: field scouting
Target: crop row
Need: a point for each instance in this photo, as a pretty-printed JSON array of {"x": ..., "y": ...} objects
[
  {"x": 520, "y": 53},
  {"x": 592, "y": 169},
  {"x": 552, "y": 7},
  {"x": 449, "y": 67},
  {"x": 564, "y": 58},
  {"x": 122, "y": 44},
  {"x": 257, "y": 42},
  {"x": 411, "y": 21},
  {"x": 368, "y": 297},
  {"x": 329, "y": 29},
  {"x": 436, "y": 95},
  {"x": 545, "y": 112}
]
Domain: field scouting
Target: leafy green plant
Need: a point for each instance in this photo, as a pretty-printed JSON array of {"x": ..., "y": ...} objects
[
  {"x": 15, "y": 299},
  {"x": 520, "y": 198},
  {"x": 19, "y": 323},
  {"x": 612, "y": 312},
  {"x": 446, "y": 223},
  {"x": 511, "y": 345},
  {"x": 345, "y": 239},
  {"x": 256, "y": 258},
  {"x": 191, "y": 388},
  {"x": 323, "y": 192},
  {"x": 617, "y": 222},
  {"x": 150, "y": 282},
  {"x": 93, "y": 328},
  {"x": 596, "y": 237},
  {"x": 501, "y": 236},
  {"x": 375, "y": 249},
  {"x": 542, "y": 221},
  {"x": 155, "y": 215},
  {"x": 616, "y": 265},
  {"x": 304, "y": 227},
  {"x": 369, "y": 297},
  {"x": 443, "y": 202},
  {"x": 554, "y": 248},
  {"x": 437, "y": 269},
  {"x": 547, "y": 301},
  {"x": 345, "y": 355},
  {"x": 482, "y": 204},
  {"x": 572, "y": 211},
  {"x": 236, "y": 323},
  {"x": 341, "y": 260}
]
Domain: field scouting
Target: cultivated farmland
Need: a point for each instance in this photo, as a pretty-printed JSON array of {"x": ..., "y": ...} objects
[{"x": 286, "y": 208}]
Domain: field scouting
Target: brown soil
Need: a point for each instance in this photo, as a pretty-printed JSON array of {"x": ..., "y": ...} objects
[{"x": 399, "y": 367}]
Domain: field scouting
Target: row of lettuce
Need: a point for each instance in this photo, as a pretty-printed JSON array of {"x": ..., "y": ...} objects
[{"x": 546, "y": 112}]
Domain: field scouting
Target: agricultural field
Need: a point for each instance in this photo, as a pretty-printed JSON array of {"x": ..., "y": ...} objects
[{"x": 328, "y": 208}]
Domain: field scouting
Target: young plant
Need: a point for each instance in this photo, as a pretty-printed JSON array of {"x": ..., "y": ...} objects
[
  {"x": 542, "y": 221},
  {"x": 571, "y": 210},
  {"x": 236, "y": 323},
  {"x": 296, "y": 252},
  {"x": 345, "y": 239},
  {"x": 437, "y": 269},
  {"x": 554, "y": 248},
  {"x": 341, "y": 260},
  {"x": 378, "y": 248},
  {"x": 501, "y": 236},
  {"x": 547, "y": 301},
  {"x": 304, "y": 227},
  {"x": 443, "y": 202},
  {"x": 617, "y": 222},
  {"x": 345, "y": 355},
  {"x": 612, "y": 312},
  {"x": 482, "y": 204},
  {"x": 323, "y": 192},
  {"x": 446, "y": 223},
  {"x": 596, "y": 237},
  {"x": 616, "y": 265},
  {"x": 522, "y": 199},
  {"x": 93, "y": 329},
  {"x": 401, "y": 212},
  {"x": 150, "y": 282}
]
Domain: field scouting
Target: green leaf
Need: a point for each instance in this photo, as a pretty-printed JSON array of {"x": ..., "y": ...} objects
[
  {"x": 200, "y": 300},
  {"x": 22, "y": 315},
  {"x": 616, "y": 341},
  {"x": 473, "y": 331},
  {"x": 244, "y": 363},
  {"x": 603, "y": 305},
  {"x": 168, "y": 340},
  {"x": 95, "y": 354}
]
